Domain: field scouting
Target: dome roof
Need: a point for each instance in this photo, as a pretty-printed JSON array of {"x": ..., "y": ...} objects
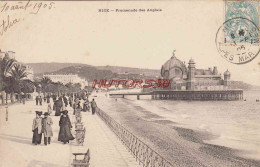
[
  {"x": 227, "y": 73},
  {"x": 173, "y": 62},
  {"x": 191, "y": 61}
]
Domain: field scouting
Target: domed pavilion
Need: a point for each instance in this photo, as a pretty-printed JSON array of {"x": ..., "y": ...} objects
[{"x": 188, "y": 77}]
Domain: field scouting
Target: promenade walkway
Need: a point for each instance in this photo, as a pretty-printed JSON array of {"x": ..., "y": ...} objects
[{"x": 17, "y": 149}]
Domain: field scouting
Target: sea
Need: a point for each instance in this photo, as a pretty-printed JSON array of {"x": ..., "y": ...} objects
[{"x": 234, "y": 124}]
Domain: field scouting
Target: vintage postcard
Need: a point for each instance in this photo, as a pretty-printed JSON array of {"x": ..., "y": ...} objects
[{"x": 130, "y": 83}]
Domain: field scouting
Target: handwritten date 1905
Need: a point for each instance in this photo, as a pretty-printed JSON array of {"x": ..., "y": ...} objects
[{"x": 33, "y": 6}]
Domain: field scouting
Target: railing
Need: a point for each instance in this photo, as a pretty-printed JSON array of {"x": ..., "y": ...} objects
[{"x": 142, "y": 152}]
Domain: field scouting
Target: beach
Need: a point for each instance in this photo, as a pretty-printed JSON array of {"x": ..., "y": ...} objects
[{"x": 179, "y": 142}]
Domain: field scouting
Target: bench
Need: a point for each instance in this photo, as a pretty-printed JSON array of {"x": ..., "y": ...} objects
[{"x": 82, "y": 162}]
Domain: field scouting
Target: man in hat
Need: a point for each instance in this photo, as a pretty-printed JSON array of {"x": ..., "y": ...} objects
[
  {"x": 93, "y": 106},
  {"x": 65, "y": 128},
  {"x": 37, "y": 128},
  {"x": 47, "y": 130},
  {"x": 37, "y": 100}
]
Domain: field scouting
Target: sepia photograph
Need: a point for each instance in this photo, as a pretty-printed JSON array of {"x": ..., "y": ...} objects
[{"x": 130, "y": 84}]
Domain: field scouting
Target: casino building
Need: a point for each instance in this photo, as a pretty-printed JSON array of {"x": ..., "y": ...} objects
[{"x": 191, "y": 78}]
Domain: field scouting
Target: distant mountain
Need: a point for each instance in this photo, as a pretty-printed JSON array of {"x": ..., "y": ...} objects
[
  {"x": 40, "y": 68},
  {"x": 118, "y": 69},
  {"x": 243, "y": 85}
]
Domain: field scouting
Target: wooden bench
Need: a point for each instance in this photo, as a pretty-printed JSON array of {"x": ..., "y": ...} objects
[{"x": 82, "y": 162}]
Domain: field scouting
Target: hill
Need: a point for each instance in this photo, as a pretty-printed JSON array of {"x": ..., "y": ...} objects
[
  {"x": 119, "y": 69},
  {"x": 40, "y": 68},
  {"x": 243, "y": 85}
]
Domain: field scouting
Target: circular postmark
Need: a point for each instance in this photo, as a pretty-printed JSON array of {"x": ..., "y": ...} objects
[{"x": 237, "y": 40}]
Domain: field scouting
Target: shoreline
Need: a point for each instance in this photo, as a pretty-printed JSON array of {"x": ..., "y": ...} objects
[{"x": 181, "y": 146}]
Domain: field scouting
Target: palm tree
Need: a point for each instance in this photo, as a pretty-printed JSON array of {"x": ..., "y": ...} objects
[
  {"x": 45, "y": 83},
  {"x": 19, "y": 80},
  {"x": 6, "y": 65}
]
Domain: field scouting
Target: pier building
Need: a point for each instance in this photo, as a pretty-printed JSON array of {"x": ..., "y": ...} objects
[{"x": 191, "y": 78}]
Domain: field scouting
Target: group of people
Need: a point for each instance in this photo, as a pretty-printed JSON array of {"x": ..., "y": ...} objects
[
  {"x": 38, "y": 100},
  {"x": 86, "y": 106},
  {"x": 42, "y": 125}
]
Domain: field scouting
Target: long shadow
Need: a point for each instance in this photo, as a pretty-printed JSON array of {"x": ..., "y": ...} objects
[
  {"x": 21, "y": 140},
  {"x": 35, "y": 163}
]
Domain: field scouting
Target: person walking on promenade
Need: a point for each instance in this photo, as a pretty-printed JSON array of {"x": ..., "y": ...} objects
[
  {"x": 75, "y": 105},
  {"x": 65, "y": 100},
  {"x": 86, "y": 105},
  {"x": 37, "y": 100},
  {"x": 47, "y": 130},
  {"x": 48, "y": 98},
  {"x": 23, "y": 98},
  {"x": 49, "y": 109},
  {"x": 54, "y": 97},
  {"x": 44, "y": 98},
  {"x": 40, "y": 100},
  {"x": 58, "y": 106},
  {"x": 37, "y": 128},
  {"x": 65, "y": 128},
  {"x": 93, "y": 106},
  {"x": 70, "y": 101}
]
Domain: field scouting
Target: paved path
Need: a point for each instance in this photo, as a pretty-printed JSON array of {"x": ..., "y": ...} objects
[{"x": 17, "y": 150}]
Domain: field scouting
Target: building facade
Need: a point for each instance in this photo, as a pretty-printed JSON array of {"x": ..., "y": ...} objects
[
  {"x": 29, "y": 71},
  {"x": 8, "y": 54},
  {"x": 67, "y": 78},
  {"x": 191, "y": 78}
]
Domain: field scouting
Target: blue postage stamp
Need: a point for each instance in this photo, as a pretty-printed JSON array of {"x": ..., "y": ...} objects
[
  {"x": 237, "y": 39},
  {"x": 240, "y": 30}
]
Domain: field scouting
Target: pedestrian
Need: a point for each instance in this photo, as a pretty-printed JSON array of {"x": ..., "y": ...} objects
[
  {"x": 40, "y": 100},
  {"x": 54, "y": 97},
  {"x": 44, "y": 99},
  {"x": 75, "y": 105},
  {"x": 49, "y": 109},
  {"x": 65, "y": 128},
  {"x": 47, "y": 130},
  {"x": 58, "y": 106},
  {"x": 93, "y": 106},
  {"x": 48, "y": 98},
  {"x": 37, "y": 100},
  {"x": 70, "y": 101},
  {"x": 65, "y": 100},
  {"x": 23, "y": 98},
  {"x": 37, "y": 128},
  {"x": 86, "y": 105}
]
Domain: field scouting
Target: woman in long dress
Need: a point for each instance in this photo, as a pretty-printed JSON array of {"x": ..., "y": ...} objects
[
  {"x": 37, "y": 128},
  {"x": 65, "y": 128}
]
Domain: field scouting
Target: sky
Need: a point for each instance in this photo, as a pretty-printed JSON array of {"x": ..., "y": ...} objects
[{"x": 76, "y": 32}]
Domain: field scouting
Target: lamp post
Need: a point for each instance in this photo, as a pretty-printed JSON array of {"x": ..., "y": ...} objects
[{"x": 6, "y": 112}]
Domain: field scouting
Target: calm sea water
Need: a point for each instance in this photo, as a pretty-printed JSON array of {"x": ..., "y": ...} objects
[{"x": 236, "y": 124}]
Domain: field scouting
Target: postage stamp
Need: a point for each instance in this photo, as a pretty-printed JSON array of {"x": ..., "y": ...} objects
[{"x": 237, "y": 39}]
